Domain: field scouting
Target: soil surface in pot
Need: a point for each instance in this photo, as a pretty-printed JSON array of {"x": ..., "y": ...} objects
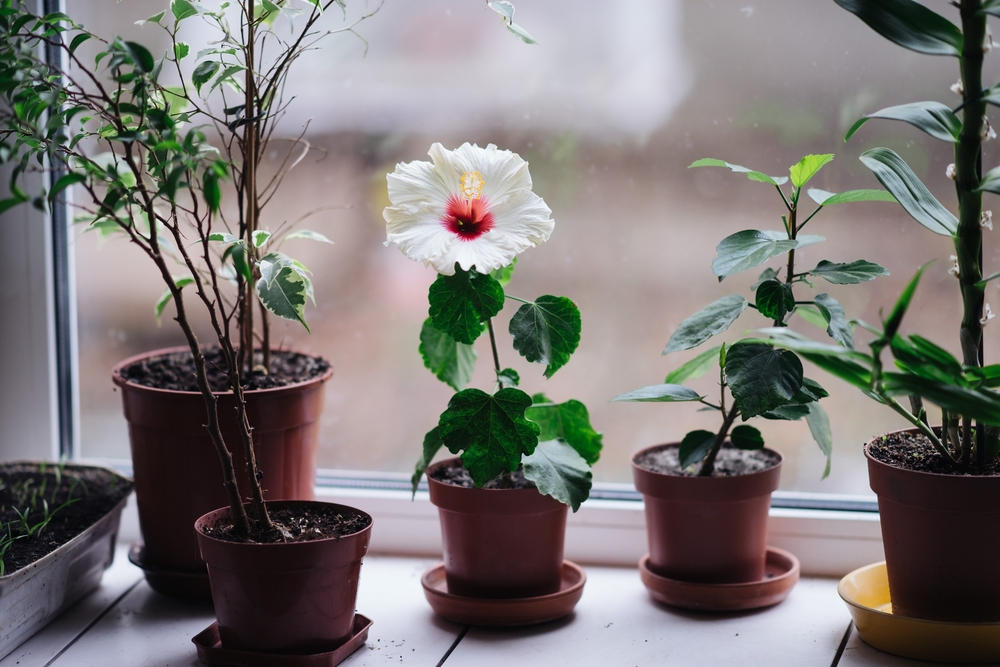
[
  {"x": 730, "y": 462},
  {"x": 176, "y": 372},
  {"x": 297, "y": 525},
  {"x": 914, "y": 451},
  {"x": 457, "y": 475},
  {"x": 75, "y": 499}
]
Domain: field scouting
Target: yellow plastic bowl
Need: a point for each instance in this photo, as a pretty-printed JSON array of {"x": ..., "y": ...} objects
[{"x": 866, "y": 592}]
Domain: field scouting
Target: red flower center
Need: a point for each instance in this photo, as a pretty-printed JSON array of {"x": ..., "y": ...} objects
[{"x": 468, "y": 219}]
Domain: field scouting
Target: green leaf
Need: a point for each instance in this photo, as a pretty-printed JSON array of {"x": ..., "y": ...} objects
[
  {"x": 461, "y": 303},
  {"x": 181, "y": 50},
  {"x": 745, "y": 436},
  {"x": 432, "y": 444},
  {"x": 934, "y": 118},
  {"x": 559, "y": 471},
  {"x": 182, "y": 9},
  {"x": 839, "y": 328},
  {"x": 766, "y": 274},
  {"x": 749, "y": 248},
  {"x": 78, "y": 40},
  {"x": 260, "y": 237},
  {"x": 224, "y": 238},
  {"x": 924, "y": 358},
  {"x": 809, "y": 392},
  {"x": 660, "y": 393},
  {"x": 848, "y": 365},
  {"x": 812, "y": 316},
  {"x": 761, "y": 377},
  {"x": 819, "y": 426},
  {"x": 503, "y": 8},
  {"x": 992, "y": 276},
  {"x": 824, "y": 198},
  {"x": 307, "y": 234},
  {"x": 508, "y": 377},
  {"x": 775, "y": 299},
  {"x": 492, "y": 431},
  {"x": 504, "y": 274},
  {"x": 211, "y": 191},
  {"x": 896, "y": 177},
  {"x": 792, "y": 412},
  {"x": 450, "y": 361},
  {"x": 806, "y": 169},
  {"x": 521, "y": 33},
  {"x": 859, "y": 271},
  {"x": 908, "y": 24},
  {"x": 979, "y": 404},
  {"x": 990, "y": 182},
  {"x": 569, "y": 422},
  {"x": 546, "y": 331},
  {"x": 167, "y": 295},
  {"x": 902, "y": 304},
  {"x": 282, "y": 291},
  {"x": 238, "y": 253},
  {"x": 203, "y": 73},
  {"x": 711, "y": 320},
  {"x": 64, "y": 182},
  {"x": 695, "y": 447},
  {"x": 695, "y": 368},
  {"x": 753, "y": 175},
  {"x": 140, "y": 56}
]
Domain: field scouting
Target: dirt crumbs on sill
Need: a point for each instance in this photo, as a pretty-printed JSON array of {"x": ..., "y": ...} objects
[
  {"x": 457, "y": 475},
  {"x": 730, "y": 462},
  {"x": 175, "y": 371},
  {"x": 296, "y": 524},
  {"x": 914, "y": 451}
]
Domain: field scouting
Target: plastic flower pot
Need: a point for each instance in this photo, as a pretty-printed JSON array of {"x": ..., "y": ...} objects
[
  {"x": 499, "y": 543},
  {"x": 707, "y": 529},
  {"x": 177, "y": 472},
  {"x": 34, "y": 595},
  {"x": 941, "y": 535},
  {"x": 289, "y": 598}
]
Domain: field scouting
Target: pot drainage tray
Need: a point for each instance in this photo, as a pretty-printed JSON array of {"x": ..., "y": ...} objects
[
  {"x": 781, "y": 573},
  {"x": 211, "y": 651},
  {"x": 866, "y": 592},
  {"x": 174, "y": 583},
  {"x": 504, "y": 612}
]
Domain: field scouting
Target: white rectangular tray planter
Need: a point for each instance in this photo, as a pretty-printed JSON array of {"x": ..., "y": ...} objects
[{"x": 36, "y": 594}]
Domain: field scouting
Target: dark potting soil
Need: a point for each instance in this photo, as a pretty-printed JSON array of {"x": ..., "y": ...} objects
[
  {"x": 298, "y": 525},
  {"x": 914, "y": 451},
  {"x": 457, "y": 475},
  {"x": 175, "y": 371},
  {"x": 730, "y": 462},
  {"x": 26, "y": 490}
]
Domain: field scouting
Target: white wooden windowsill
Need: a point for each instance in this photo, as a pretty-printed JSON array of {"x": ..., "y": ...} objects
[{"x": 616, "y": 624}]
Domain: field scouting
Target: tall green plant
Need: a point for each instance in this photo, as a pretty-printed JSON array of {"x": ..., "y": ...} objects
[
  {"x": 153, "y": 161},
  {"x": 962, "y": 389},
  {"x": 764, "y": 380}
]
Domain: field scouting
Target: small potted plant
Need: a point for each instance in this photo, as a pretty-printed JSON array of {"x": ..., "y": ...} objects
[
  {"x": 937, "y": 482},
  {"x": 524, "y": 458},
  {"x": 161, "y": 183},
  {"x": 53, "y": 519},
  {"x": 707, "y": 498}
]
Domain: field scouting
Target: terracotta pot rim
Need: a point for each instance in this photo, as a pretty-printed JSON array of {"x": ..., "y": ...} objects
[
  {"x": 644, "y": 450},
  {"x": 116, "y": 375},
  {"x": 204, "y": 518},
  {"x": 926, "y": 475}
]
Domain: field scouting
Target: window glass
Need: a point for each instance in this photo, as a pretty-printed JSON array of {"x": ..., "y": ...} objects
[{"x": 609, "y": 109}]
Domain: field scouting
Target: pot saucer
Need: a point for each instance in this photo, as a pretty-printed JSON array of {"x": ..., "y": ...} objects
[
  {"x": 175, "y": 583},
  {"x": 781, "y": 573},
  {"x": 211, "y": 652},
  {"x": 866, "y": 592},
  {"x": 504, "y": 612}
]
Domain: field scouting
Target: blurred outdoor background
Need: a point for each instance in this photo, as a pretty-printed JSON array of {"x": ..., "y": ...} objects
[{"x": 609, "y": 109}]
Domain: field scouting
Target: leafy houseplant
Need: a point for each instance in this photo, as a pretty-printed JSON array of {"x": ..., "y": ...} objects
[
  {"x": 468, "y": 213},
  {"x": 169, "y": 154},
  {"x": 762, "y": 381},
  {"x": 937, "y": 485}
]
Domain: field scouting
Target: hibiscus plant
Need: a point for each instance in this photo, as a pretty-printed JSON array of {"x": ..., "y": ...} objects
[
  {"x": 468, "y": 213},
  {"x": 152, "y": 143},
  {"x": 967, "y": 438},
  {"x": 763, "y": 380}
]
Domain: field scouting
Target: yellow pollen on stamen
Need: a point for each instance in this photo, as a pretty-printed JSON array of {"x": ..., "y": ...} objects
[{"x": 472, "y": 185}]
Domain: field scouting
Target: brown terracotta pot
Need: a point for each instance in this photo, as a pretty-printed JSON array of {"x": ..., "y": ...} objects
[
  {"x": 295, "y": 597},
  {"x": 941, "y": 535},
  {"x": 707, "y": 529},
  {"x": 177, "y": 472},
  {"x": 499, "y": 543}
]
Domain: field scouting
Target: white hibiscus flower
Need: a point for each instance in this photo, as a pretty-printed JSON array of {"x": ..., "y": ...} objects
[{"x": 472, "y": 206}]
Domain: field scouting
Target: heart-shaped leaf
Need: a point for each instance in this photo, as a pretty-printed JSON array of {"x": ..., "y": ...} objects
[
  {"x": 558, "y": 470},
  {"x": 774, "y": 300},
  {"x": 569, "y": 422},
  {"x": 450, "y": 361},
  {"x": 461, "y": 303},
  {"x": 761, "y": 377},
  {"x": 547, "y": 331}
]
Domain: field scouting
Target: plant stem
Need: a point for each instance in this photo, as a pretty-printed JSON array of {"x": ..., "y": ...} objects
[
  {"x": 708, "y": 464},
  {"x": 924, "y": 428},
  {"x": 493, "y": 344}
]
